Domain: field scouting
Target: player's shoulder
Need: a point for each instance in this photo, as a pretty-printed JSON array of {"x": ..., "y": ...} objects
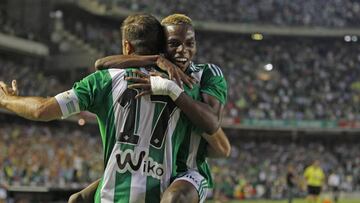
[
  {"x": 114, "y": 72},
  {"x": 105, "y": 74},
  {"x": 208, "y": 69},
  {"x": 118, "y": 74}
]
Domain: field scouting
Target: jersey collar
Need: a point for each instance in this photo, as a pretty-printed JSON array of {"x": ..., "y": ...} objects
[{"x": 192, "y": 68}]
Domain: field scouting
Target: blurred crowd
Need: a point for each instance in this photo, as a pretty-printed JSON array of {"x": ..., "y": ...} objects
[
  {"x": 286, "y": 77},
  {"x": 32, "y": 155},
  {"x": 328, "y": 13},
  {"x": 258, "y": 169},
  {"x": 100, "y": 34},
  {"x": 297, "y": 78},
  {"x": 61, "y": 156},
  {"x": 31, "y": 78},
  {"x": 276, "y": 78},
  {"x": 11, "y": 27}
]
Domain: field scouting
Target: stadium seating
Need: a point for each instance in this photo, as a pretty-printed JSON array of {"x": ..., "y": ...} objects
[
  {"x": 257, "y": 169},
  {"x": 48, "y": 156},
  {"x": 287, "y": 78},
  {"x": 299, "y": 64}
]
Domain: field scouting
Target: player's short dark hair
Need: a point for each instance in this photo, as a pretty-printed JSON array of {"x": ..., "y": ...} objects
[{"x": 144, "y": 32}]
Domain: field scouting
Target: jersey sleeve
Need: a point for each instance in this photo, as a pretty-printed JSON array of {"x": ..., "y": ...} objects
[
  {"x": 213, "y": 83},
  {"x": 86, "y": 95}
]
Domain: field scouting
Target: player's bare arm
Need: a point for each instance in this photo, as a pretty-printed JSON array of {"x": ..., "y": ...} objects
[
  {"x": 199, "y": 113},
  {"x": 125, "y": 61},
  {"x": 32, "y": 108},
  {"x": 86, "y": 195},
  {"x": 219, "y": 145}
]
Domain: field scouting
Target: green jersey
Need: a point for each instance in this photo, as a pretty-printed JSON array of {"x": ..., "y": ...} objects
[
  {"x": 139, "y": 136},
  {"x": 192, "y": 152}
]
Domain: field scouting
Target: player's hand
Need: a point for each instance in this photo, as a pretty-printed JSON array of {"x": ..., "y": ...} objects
[
  {"x": 11, "y": 91},
  {"x": 142, "y": 81},
  {"x": 7, "y": 91},
  {"x": 175, "y": 73}
]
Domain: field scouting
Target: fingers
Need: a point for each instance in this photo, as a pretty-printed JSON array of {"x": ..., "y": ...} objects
[
  {"x": 193, "y": 80},
  {"x": 171, "y": 74},
  {"x": 15, "y": 88},
  {"x": 3, "y": 91},
  {"x": 178, "y": 80},
  {"x": 186, "y": 79},
  {"x": 137, "y": 80},
  {"x": 159, "y": 74},
  {"x": 143, "y": 93},
  {"x": 140, "y": 86},
  {"x": 141, "y": 74},
  {"x": 4, "y": 87}
]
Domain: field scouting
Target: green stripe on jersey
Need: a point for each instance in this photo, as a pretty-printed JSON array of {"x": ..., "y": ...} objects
[
  {"x": 95, "y": 95},
  {"x": 122, "y": 195},
  {"x": 123, "y": 182},
  {"x": 153, "y": 193},
  {"x": 181, "y": 133},
  {"x": 201, "y": 162},
  {"x": 181, "y": 140}
]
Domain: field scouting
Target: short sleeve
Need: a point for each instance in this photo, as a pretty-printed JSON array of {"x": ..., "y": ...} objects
[
  {"x": 92, "y": 90},
  {"x": 213, "y": 83}
]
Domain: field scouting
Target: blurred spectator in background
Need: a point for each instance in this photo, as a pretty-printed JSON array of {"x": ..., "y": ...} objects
[
  {"x": 3, "y": 192},
  {"x": 334, "y": 185},
  {"x": 290, "y": 182},
  {"x": 48, "y": 156},
  {"x": 258, "y": 168},
  {"x": 315, "y": 177}
]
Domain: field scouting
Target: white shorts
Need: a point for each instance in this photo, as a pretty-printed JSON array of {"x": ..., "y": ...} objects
[{"x": 197, "y": 180}]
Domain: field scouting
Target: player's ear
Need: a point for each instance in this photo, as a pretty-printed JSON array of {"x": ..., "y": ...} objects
[{"x": 128, "y": 48}]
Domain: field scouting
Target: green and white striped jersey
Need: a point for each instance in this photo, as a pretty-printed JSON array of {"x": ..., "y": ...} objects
[
  {"x": 142, "y": 138},
  {"x": 192, "y": 152},
  {"x": 139, "y": 136}
]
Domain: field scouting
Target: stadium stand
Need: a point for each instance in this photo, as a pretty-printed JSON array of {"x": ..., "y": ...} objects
[
  {"x": 32, "y": 77},
  {"x": 327, "y": 13},
  {"x": 277, "y": 78},
  {"x": 51, "y": 156},
  {"x": 63, "y": 156},
  {"x": 257, "y": 168},
  {"x": 299, "y": 64}
]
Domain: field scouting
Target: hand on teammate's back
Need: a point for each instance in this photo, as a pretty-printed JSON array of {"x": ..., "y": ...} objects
[
  {"x": 153, "y": 83},
  {"x": 174, "y": 72},
  {"x": 142, "y": 81}
]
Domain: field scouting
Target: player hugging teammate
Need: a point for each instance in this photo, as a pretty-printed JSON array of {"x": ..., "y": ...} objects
[{"x": 156, "y": 134}]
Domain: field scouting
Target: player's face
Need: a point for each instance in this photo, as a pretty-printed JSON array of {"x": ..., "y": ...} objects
[{"x": 180, "y": 44}]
